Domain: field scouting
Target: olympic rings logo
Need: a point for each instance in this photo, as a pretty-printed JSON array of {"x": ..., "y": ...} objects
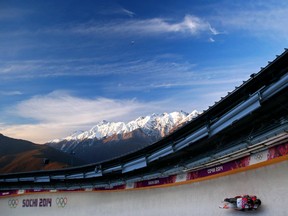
[
  {"x": 259, "y": 156},
  {"x": 13, "y": 203},
  {"x": 61, "y": 202}
]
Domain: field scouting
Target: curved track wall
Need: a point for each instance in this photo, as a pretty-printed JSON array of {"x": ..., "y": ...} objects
[{"x": 200, "y": 198}]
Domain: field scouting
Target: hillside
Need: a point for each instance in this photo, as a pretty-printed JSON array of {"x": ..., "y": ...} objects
[{"x": 21, "y": 156}]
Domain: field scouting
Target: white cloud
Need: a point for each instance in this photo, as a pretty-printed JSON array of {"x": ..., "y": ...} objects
[
  {"x": 115, "y": 9},
  {"x": 211, "y": 40},
  {"x": 10, "y": 93},
  {"x": 128, "y": 12},
  {"x": 190, "y": 25},
  {"x": 62, "y": 108},
  {"x": 92, "y": 67},
  {"x": 22, "y": 67}
]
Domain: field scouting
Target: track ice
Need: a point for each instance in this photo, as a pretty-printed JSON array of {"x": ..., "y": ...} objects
[{"x": 200, "y": 199}]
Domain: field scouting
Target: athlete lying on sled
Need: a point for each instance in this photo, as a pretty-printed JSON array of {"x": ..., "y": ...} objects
[{"x": 245, "y": 202}]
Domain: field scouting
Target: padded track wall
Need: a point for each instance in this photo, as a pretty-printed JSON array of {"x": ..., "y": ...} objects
[{"x": 201, "y": 198}]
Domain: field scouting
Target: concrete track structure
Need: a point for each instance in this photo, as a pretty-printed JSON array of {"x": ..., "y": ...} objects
[{"x": 198, "y": 198}]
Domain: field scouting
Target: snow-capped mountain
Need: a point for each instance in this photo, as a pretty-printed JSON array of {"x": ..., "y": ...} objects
[
  {"x": 151, "y": 125},
  {"x": 115, "y": 138}
]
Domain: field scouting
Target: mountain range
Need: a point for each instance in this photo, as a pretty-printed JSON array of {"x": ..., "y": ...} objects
[
  {"x": 104, "y": 141},
  {"x": 107, "y": 140}
]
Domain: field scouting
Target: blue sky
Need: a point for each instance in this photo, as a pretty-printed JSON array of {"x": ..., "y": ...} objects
[{"x": 66, "y": 65}]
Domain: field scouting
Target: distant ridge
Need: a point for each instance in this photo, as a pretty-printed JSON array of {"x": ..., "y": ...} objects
[{"x": 18, "y": 155}]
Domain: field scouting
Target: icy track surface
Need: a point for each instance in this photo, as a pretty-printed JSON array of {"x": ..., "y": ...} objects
[{"x": 200, "y": 199}]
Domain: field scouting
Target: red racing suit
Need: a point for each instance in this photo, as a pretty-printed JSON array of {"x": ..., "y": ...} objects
[{"x": 245, "y": 202}]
